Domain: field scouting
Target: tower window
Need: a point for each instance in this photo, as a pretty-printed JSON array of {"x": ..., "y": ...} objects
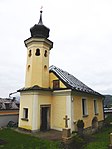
[
  {"x": 45, "y": 67},
  {"x": 37, "y": 53},
  {"x": 28, "y": 67},
  {"x": 45, "y": 54},
  {"x": 29, "y": 54}
]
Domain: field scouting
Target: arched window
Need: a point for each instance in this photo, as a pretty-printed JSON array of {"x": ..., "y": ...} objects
[
  {"x": 29, "y": 54},
  {"x": 28, "y": 67},
  {"x": 45, "y": 67},
  {"x": 37, "y": 53},
  {"x": 45, "y": 54}
]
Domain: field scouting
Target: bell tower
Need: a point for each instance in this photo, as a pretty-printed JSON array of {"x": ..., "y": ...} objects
[{"x": 38, "y": 50}]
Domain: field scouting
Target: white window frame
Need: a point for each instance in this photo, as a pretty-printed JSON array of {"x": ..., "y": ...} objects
[
  {"x": 95, "y": 106},
  {"x": 24, "y": 113},
  {"x": 84, "y": 107}
]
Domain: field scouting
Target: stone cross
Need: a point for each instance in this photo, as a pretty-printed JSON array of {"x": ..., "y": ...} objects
[{"x": 66, "y": 121}]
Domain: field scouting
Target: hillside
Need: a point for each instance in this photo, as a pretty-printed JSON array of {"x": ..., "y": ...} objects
[{"x": 108, "y": 100}]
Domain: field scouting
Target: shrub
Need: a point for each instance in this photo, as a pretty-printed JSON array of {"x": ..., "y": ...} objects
[
  {"x": 12, "y": 124},
  {"x": 108, "y": 120}
]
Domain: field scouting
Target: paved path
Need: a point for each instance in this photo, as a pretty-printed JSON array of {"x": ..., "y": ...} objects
[
  {"x": 50, "y": 135},
  {"x": 53, "y": 135}
]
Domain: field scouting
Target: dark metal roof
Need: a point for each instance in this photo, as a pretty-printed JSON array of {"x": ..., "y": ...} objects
[
  {"x": 71, "y": 82},
  {"x": 38, "y": 88},
  {"x": 68, "y": 80},
  {"x": 33, "y": 88}
]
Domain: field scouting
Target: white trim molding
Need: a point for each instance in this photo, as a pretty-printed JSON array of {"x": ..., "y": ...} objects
[
  {"x": 35, "y": 113},
  {"x": 69, "y": 110}
]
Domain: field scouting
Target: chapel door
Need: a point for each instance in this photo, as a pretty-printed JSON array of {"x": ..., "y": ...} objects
[{"x": 45, "y": 118}]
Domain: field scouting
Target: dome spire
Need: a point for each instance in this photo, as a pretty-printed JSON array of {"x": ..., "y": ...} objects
[
  {"x": 40, "y": 20},
  {"x": 40, "y": 30}
]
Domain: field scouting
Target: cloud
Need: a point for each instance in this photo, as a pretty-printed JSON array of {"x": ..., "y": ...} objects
[{"x": 81, "y": 32}]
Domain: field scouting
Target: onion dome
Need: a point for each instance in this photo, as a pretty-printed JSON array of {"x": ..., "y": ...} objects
[{"x": 40, "y": 30}]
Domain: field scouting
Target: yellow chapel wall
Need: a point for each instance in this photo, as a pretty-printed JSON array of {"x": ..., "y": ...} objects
[
  {"x": 37, "y": 67},
  {"x": 26, "y": 101},
  {"x": 77, "y": 102},
  {"x": 44, "y": 99},
  {"x": 53, "y": 77},
  {"x": 58, "y": 111},
  {"x": 34, "y": 69}
]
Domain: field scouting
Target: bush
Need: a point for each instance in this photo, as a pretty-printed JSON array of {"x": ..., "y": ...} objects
[
  {"x": 108, "y": 120},
  {"x": 12, "y": 124}
]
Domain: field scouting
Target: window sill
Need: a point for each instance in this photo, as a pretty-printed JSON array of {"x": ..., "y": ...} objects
[
  {"x": 85, "y": 115},
  {"x": 24, "y": 119}
]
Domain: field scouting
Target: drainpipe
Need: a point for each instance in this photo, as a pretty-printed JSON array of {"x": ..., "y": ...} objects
[{"x": 12, "y": 94}]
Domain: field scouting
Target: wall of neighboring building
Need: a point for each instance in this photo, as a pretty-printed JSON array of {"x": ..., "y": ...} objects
[
  {"x": 78, "y": 108},
  {"x": 5, "y": 119}
]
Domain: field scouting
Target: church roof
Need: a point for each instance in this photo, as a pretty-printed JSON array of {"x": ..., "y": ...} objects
[
  {"x": 35, "y": 87},
  {"x": 68, "y": 80},
  {"x": 71, "y": 82}
]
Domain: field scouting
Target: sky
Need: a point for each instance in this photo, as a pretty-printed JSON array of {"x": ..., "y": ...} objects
[{"x": 81, "y": 31}]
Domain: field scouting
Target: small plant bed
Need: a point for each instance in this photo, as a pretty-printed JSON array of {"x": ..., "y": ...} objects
[{"x": 11, "y": 139}]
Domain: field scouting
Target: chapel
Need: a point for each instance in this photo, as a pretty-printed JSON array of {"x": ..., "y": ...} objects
[{"x": 50, "y": 93}]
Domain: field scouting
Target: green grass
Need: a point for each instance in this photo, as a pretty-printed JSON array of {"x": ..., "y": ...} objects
[
  {"x": 15, "y": 140},
  {"x": 101, "y": 140}
]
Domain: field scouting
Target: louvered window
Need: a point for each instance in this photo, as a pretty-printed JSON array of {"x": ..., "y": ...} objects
[{"x": 56, "y": 84}]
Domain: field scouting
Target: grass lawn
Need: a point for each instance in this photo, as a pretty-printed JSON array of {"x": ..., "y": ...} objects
[
  {"x": 101, "y": 140},
  {"x": 15, "y": 140}
]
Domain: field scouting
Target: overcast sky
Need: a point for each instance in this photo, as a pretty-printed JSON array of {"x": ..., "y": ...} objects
[{"x": 80, "y": 29}]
